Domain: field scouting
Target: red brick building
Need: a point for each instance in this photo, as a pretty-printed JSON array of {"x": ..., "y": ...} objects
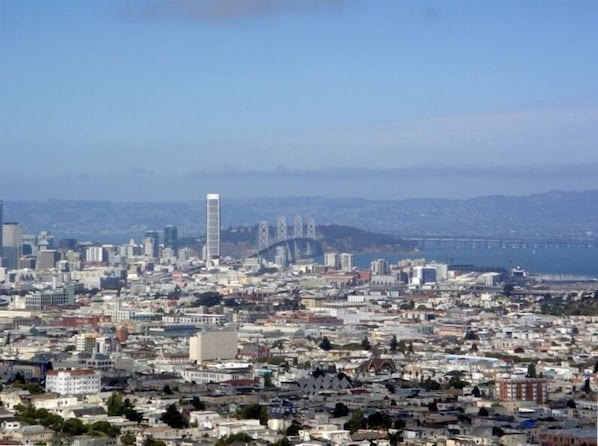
[{"x": 522, "y": 389}]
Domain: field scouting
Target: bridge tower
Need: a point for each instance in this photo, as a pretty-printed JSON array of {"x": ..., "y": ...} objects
[
  {"x": 263, "y": 235},
  {"x": 298, "y": 227},
  {"x": 311, "y": 234},
  {"x": 281, "y": 229},
  {"x": 297, "y": 234},
  {"x": 311, "y": 228}
]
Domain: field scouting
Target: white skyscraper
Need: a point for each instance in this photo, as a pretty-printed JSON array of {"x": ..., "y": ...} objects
[
  {"x": 212, "y": 226},
  {"x": 12, "y": 244}
]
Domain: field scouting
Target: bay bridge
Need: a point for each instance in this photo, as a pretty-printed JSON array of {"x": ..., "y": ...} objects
[
  {"x": 480, "y": 242},
  {"x": 288, "y": 243}
]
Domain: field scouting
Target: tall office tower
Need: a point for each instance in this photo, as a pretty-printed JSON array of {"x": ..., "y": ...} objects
[
  {"x": 347, "y": 261},
  {"x": 151, "y": 244},
  {"x": 1, "y": 231},
  {"x": 171, "y": 238},
  {"x": 332, "y": 260},
  {"x": 12, "y": 241},
  {"x": 212, "y": 226}
]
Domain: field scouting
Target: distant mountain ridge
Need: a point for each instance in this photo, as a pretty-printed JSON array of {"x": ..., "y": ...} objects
[{"x": 552, "y": 214}]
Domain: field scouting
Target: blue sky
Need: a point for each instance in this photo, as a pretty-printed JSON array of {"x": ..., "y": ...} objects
[{"x": 169, "y": 99}]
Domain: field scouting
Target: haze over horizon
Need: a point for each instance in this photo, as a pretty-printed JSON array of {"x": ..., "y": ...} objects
[{"x": 163, "y": 100}]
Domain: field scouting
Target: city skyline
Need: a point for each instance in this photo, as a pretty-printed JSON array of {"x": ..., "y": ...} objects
[{"x": 301, "y": 98}]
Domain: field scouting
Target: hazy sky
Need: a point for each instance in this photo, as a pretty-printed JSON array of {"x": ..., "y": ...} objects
[{"x": 170, "y": 99}]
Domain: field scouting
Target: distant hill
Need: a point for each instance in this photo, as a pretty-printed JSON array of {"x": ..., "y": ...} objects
[
  {"x": 239, "y": 240},
  {"x": 551, "y": 214}
]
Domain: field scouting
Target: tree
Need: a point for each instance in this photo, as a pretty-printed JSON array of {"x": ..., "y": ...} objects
[
  {"x": 508, "y": 289},
  {"x": 531, "y": 371},
  {"x": 393, "y": 343},
  {"x": 356, "y": 422},
  {"x": 365, "y": 344},
  {"x": 476, "y": 392},
  {"x": 151, "y": 441},
  {"x": 73, "y": 426},
  {"x": 571, "y": 404},
  {"x": 128, "y": 439},
  {"x": 471, "y": 335},
  {"x": 379, "y": 420},
  {"x": 255, "y": 412},
  {"x": 340, "y": 410},
  {"x": 208, "y": 299},
  {"x": 433, "y": 406},
  {"x": 115, "y": 405},
  {"x": 401, "y": 346},
  {"x": 241, "y": 437},
  {"x": 325, "y": 344},
  {"x": 410, "y": 350},
  {"x": 100, "y": 428},
  {"x": 474, "y": 347},
  {"x": 174, "y": 418},
  {"x": 293, "y": 429},
  {"x": 497, "y": 431},
  {"x": 457, "y": 383},
  {"x": 268, "y": 384},
  {"x": 430, "y": 384},
  {"x": 197, "y": 404},
  {"x": 483, "y": 412},
  {"x": 167, "y": 390}
]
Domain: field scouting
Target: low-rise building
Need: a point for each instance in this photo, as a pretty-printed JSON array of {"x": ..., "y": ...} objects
[{"x": 74, "y": 382}]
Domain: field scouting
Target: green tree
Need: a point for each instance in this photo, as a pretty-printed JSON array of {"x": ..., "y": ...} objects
[
  {"x": 356, "y": 422},
  {"x": 457, "y": 383},
  {"x": 508, "y": 289},
  {"x": 103, "y": 427},
  {"x": 115, "y": 405},
  {"x": 340, "y": 410},
  {"x": 268, "y": 381},
  {"x": 254, "y": 412},
  {"x": 73, "y": 426},
  {"x": 174, "y": 418},
  {"x": 379, "y": 420},
  {"x": 325, "y": 344},
  {"x": 197, "y": 404},
  {"x": 394, "y": 343},
  {"x": 293, "y": 429},
  {"x": 365, "y": 344},
  {"x": 531, "y": 371},
  {"x": 151, "y": 441},
  {"x": 128, "y": 439},
  {"x": 241, "y": 437},
  {"x": 401, "y": 346},
  {"x": 433, "y": 406}
]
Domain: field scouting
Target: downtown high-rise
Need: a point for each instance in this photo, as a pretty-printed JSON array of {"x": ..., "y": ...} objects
[
  {"x": 1, "y": 224},
  {"x": 212, "y": 226},
  {"x": 171, "y": 238}
]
